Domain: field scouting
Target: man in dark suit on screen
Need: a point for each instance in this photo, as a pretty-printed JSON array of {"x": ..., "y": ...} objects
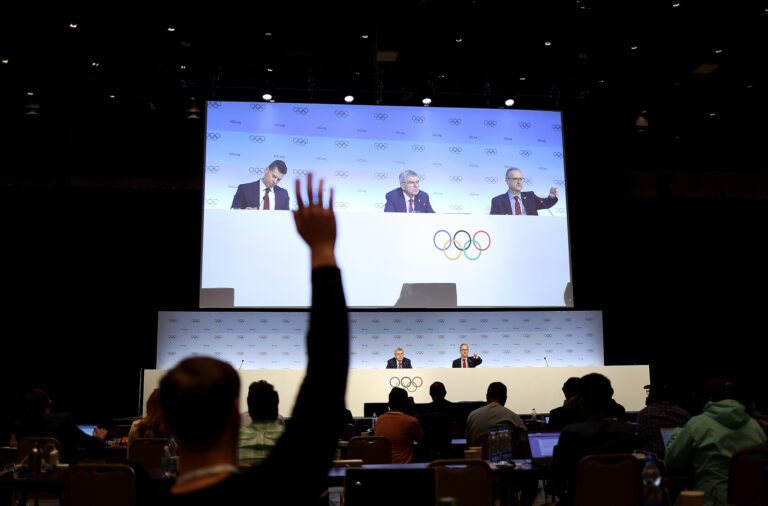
[
  {"x": 264, "y": 194},
  {"x": 466, "y": 361},
  {"x": 399, "y": 361},
  {"x": 408, "y": 198},
  {"x": 517, "y": 202}
]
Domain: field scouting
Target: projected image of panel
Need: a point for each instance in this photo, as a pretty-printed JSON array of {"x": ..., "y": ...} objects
[{"x": 451, "y": 234}]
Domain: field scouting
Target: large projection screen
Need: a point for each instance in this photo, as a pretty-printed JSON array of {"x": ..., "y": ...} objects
[{"x": 460, "y": 255}]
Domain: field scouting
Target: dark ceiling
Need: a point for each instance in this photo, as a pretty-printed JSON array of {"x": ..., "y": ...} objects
[{"x": 695, "y": 70}]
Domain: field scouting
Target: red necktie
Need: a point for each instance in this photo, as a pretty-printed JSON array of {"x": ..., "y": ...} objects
[
  {"x": 517, "y": 205},
  {"x": 266, "y": 198},
  {"x": 464, "y": 363},
  {"x": 410, "y": 205},
  {"x": 399, "y": 365}
]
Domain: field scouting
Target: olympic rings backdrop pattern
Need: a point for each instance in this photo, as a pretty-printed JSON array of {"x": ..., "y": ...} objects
[
  {"x": 461, "y": 155},
  {"x": 275, "y": 340}
]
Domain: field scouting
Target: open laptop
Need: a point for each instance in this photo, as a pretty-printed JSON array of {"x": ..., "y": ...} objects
[
  {"x": 87, "y": 428},
  {"x": 666, "y": 433},
  {"x": 542, "y": 445}
]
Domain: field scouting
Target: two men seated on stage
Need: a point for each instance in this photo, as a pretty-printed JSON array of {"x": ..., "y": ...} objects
[
  {"x": 200, "y": 397},
  {"x": 465, "y": 361}
]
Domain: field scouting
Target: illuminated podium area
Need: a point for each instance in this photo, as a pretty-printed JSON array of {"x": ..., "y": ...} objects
[{"x": 528, "y": 388}]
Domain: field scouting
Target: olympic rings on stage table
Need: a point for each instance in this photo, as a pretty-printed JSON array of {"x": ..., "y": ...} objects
[
  {"x": 462, "y": 246},
  {"x": 406, "y": 382}
]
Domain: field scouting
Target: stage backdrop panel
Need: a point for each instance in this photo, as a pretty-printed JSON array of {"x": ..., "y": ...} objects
[
  {"x": 268, "y": 340},
  {"x": 528, "y": 388}
]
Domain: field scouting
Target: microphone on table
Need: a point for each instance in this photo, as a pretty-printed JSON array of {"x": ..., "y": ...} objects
[
  {"x": 241, "y": 364},
  {"x": 545, "y": 361}
]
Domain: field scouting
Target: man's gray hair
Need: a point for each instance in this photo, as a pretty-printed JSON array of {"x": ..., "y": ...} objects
[
  {"x": 399, "y": 349},
  {"x": 407, "y": 173}
]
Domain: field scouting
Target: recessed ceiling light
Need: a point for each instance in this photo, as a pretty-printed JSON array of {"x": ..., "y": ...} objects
[
  {"x": 183, "y": 67},
  {"x": 73, "y": 25},
  {"x": 509, "y": 102},
  {"x": 111, "y": 96},
  {"x": 522, "y": 78},
  {"x": 547, "y": 43},
  {"x": 269, "y": 69},
  {"x": 426, "y": 101},
  {"x": 30, "y": 93},
  {"x": 349, "y": 99},
  {"x": 95, "y": 64},
  {"x": 171, "y": 29},
  {"x": 676, "y": 5},
  {"x": 365, "y": 36},
  {"x": 459, "y": 40},
  {"x": 267, "y": 97},
  {"x": 718, "y": 51},
  {"x": 268, "y": 34},
  {"x": 713, "y": 114},
  {"x": 5, "y": 61},
  {"x": 633, "y": 48}
]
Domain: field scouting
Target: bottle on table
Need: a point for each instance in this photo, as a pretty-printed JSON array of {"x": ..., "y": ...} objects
[
  {"x": 653, "y": 495},
  {"x": 373, "y": 423},
  {"x": 506, "y": 445},
  {"x": 493, "y": 446},
  {"x": 35, "y": 460},
  {"x": 165, "y": 460}
]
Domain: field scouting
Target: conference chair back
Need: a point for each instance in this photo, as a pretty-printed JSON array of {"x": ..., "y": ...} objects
[
  {"x": 370, "y": 449},
  {"x": 609, "y": 479},
  {"x": 469, "y": 482},
  {"x": 100, "y": 485},
  {"x": 748, "y": 477}
]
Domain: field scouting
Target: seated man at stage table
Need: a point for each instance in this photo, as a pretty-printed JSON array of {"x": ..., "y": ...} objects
[
  {"x": 401, "y": 429},
  {"x": 399, "y": 361},
  {"x": 600, "y": 432},
  {"x": 200, "y": 398},
  {"x": 264, "y": 194},
  {"x": 465, "y": 361},
  {"x": 520, "y": 203},
  {"x": 408, "y": 198}
]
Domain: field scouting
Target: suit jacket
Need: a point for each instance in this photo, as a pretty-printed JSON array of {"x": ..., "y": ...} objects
[
  {"x": 471, "y": 362},
  {"x": 397, "y": 204},
  {"x": 249, "y": 195},
  {"x": 392, "y": 363},
  {"x": 501, "y": 205}
]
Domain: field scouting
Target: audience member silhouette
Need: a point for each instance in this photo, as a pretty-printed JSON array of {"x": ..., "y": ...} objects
[
  {"x": 600, "y": 432},
  {"x": 200, "y": 398},
  {"x": 707, "y": 442},
  {"x": 259, "y": 437},
  {"x": 661, "y": 411},
  {"x": 437, "y": 419},
  {"x": 39, "y": 420},
  {"x": 400, "y": 428},
  {"x": 570, "y": 412},
  {"x": 153, "y": 423}
]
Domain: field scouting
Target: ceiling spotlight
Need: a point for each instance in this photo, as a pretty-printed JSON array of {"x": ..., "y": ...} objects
[
  {"x": 267, "y": 97},
  {"x": 712, "y": 114},
  {"x": 509, "y": 102},
  {"x": 365, "y": 36},
  {"x": 30, "y": 93},
  {"x": 73, "y": 25},
  {"x": 171, "y": 29},
  {"x": 4, "y": 61},
  {"x": 269, "y": 69},
  {"x": 111, "y": 96},
  {"x": 522, "y": 78},
  {"x": 349, "y": 99},
  {"x": 633, "y": 48},
  {"x": 547, "y": 43},
  {"x": 676, "y": 5},
  {"x": 459, "y": 40},
  {"x": 183, "y": 67},
  {"x": 95, "y": 64},
  {"x": 426, "y": 101},
  {"x": 718, "y": 51},
  {"x": 268, "y": 34}
]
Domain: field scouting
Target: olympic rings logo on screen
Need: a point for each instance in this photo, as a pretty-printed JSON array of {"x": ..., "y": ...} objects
[
  {"x": 419, "y": 147},
  {"x": 257, "y": 107},
  {"x": 491, "y": 180},
  {"x": 300, "y": 172},
  {"x": 462, "y": 247},
  {"x": 417, "y": 119},
  {"x": 525, "y": 152},
  {"x": 213, "y": 169},
  {"x": 300, "y": 141},
  {"x": 341, "y": 113},
  {"x": 556, "y": 127},
  {"x": 454, "y": 149},
  {"x": 381, "y": 116},
  {"x": 257, "y": 138},
  {"x": 380, "y": 145},
  {"x": 300, "y": 110},
  {"x": 214, "y": 136},
  {"x": 557, "y": 154},
  {"x": 490, "y": 123},
  {"x": 491, "y": 151},
  {"x": 454, "y": 121},
  {"x": 214, "y": 105},
  {"x": 342, "y": 144},
  {"x": 406, "y": 382},
  {"x": 524, "y": 125}
]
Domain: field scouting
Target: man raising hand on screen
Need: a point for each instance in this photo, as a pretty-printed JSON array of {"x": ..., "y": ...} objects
[
  {"x": 516, "y": 201},
  {"x": 264, "y": 194}
]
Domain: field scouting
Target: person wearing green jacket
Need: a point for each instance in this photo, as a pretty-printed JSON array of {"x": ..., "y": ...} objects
[{"x": 708, "y": 441}]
